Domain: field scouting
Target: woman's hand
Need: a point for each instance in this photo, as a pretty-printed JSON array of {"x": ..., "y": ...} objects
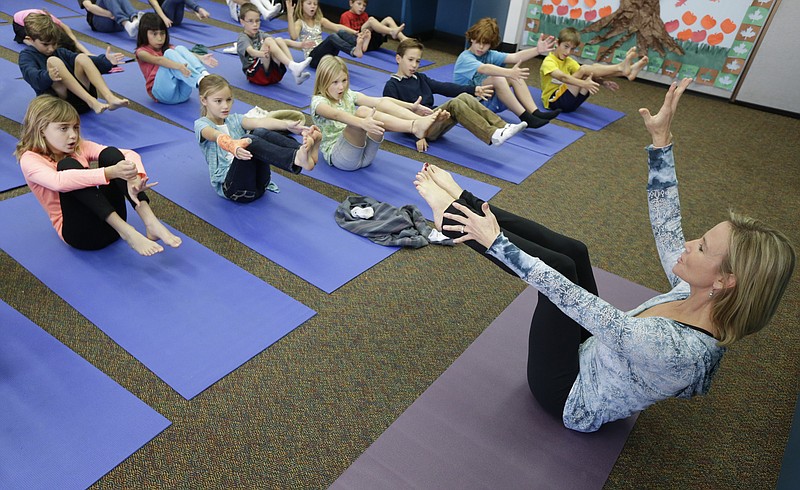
[
  {"x": 482, "y": 229},
  {"x": 659, "y": 125}
]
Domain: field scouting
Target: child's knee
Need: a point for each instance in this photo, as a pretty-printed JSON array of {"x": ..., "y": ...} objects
[
  {"x": 110, "y": 156},
  {"x": 68, "y": 163},
  {"x": 363, "y": 111},
  {"x": 55, "y": 62}
]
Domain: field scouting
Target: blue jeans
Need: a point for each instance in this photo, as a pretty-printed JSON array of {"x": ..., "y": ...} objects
[
  {"x": 174, "y": 9},
  {"x": 173, "y": 87},
  {"x": 122, "y": 11},
  {"x": 247, "y": 180}
]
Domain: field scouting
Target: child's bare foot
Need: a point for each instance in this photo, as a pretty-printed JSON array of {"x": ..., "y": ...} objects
[
  {"x": 302, "y": 157},
  {"x": 420, "y": 127},
  {"x": 99, "y": 107},
  {"x": 364, "y": 39},
  {"x": 435, "y": 196},
  {"x": 157, "y": 231},
  {"x": 317, "y": 136},
  {"x": 625, "y": 65},
  {"x": 444, "y": 180},
  {"x": 115, "y": 102},
  {"x": 141, "y": 244},
  {"x": 637, "y": 67},
  {"x": 394, "y": 32}
]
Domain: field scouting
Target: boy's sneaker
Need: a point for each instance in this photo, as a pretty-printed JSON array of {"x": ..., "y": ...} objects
[
  {"x": 500, "y": 136},
  {"x": 230, "y": 49},
  {"x": 132, "y": 27},
  {"x": 233, "y": 7},
  {"x": 272, "y": 12}
]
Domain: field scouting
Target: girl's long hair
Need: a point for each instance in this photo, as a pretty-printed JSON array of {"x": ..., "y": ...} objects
[
  {"x": 328, "y": 69},
  {"x": 151, "y": 22},
  {"x": 210, "y": 84},
  {"x": 42, "y": 111}
]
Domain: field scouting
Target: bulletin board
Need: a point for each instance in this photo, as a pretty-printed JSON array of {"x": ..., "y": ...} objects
[{"x": 708, "y": 40}]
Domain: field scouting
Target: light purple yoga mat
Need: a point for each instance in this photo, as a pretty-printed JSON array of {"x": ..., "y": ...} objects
[
  {"x": 10, "y": 173},
  {"x": 478, "y": 426},
  {"x": 588, "y": 115},
  {"x": 220, "y": 11},
  {"x": 64, "y": 424},
  {"x": 177, "y": 316},
  {"x": 11, "y": 7},
  {"x": 390, "y": 179},
  {"x": 7, "y": 41},
  {"x": 124, "y": 128},
  {"x": 294, "y": 228}
]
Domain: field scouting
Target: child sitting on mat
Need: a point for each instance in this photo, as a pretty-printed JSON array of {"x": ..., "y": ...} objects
[
  {"x": 306, "y": 23},
  {"x": 86, "y": 205},
  {"x": 375, "y": 30},
  {"x": 74, "y": 77},
  {"x": 240, "y": 149},
  {"x": 352, "y": 123},
  {"x": 566, "y": 84},
  {"x": 111, "y": 16},
  {"x": 267, "y": 10},
  {"x": 170, "y": 72},
  {"x": 265, "y": 58},
  {"x": 171, "y": 11},
  {"x": 66, "y": 41},
  {"x": 482, "y": 65},
  {"x": 409, "y": 86}
]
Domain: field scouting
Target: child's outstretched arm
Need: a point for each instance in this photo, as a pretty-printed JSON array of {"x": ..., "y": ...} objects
[
  {"x": 295, "y": 127},
  {"x": 163, "y": 61},
  {"x": 294, "y": 24},
  {"x": 368, "y": 124},
  {"x": 543, "y": 46},
  {"x": 94, "y": 9},
  {"x": 235, "y": 147},
  {"x": 157, "y": 9},
  {"x": 585, "y": 83}
]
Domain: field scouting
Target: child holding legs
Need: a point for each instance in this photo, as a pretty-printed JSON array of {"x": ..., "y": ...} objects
[
  {"x": 352, "y": 123},
  {"x": 408, "y": 85},
  {"x": 376, "y": 30},
  {"x": 482, "y": 65},
  {"x": 86, "y": 205},
  {"x": 171, "y": 11},
  {"x": 239, "y": 150},
  {"x": 170, "y": 72},
  {"x": 67, "y": 39},
  {"x": 265, "y": 58},
  {"x": 111, "y": 16},
  {"x": 73, "y": 77},
  {"x": 266, "y": 8},
  {"x": 305, "y": 25},
  {"x": 566, "y": 84}
]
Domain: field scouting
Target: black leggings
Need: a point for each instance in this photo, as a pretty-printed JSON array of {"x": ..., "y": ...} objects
[
  {"x": 247, "y": 180},
  {"x": 85, "y": 211},
  {"x": 554, "y": 337}
]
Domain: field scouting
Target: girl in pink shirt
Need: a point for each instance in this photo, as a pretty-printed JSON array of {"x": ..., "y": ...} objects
[{"x": 86, "y": 205}]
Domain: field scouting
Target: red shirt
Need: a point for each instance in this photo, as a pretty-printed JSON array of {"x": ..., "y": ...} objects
[{"x": 353, "y": 21}]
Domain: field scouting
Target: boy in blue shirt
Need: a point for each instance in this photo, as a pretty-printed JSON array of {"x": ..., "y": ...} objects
[{"x": 480, "y": 64}]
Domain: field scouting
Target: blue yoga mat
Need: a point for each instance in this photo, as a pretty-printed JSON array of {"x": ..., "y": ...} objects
[
  {"x": 219, "y": 11},
  {"x": 119, "y": 39},
  {"x": 789, "y": 477},
  {"x": 588, "y": 115},
  {"x": 382, "y": 59},
  {"x": 64, "y": 424},
  {"x": 390, "y": 179},
  {"x": 130, "y": 84},
  {"x": 10, "y": 173},
  {"x": 7, "y": 41},
  {"x": 294, "y": 228},
  {"x": 124, "y": 128},
  {"x": 178, "y": 315},
  {"x": 10, "y": 7},
  {"x": 477, "y": 425}
]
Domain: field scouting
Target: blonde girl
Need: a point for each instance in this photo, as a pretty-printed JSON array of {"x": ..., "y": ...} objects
[
  {"x": 239, "y": 150},
  {"x": 305, "y": 25},
  {"x": 170, "y": 72},
  {"x": 86, "y": 206},
  {"x": 352, "y": 123}
]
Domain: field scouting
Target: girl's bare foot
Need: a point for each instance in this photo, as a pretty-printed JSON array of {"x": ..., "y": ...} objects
[
  {"x": 99, "y": 107},
  {"x": 637, "y": 67},
  {"x": 141, "y": 244},
  {"x": 420, "y": 127},
  {"x": 435, "y": 196},
  {"x": 115, "y": 102},
  {"x": 444, "y": 180},
  {"x": 157, "y": 231}
]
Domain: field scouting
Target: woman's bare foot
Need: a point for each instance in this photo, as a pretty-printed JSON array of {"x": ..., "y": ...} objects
[
  {"x": 420, "y": 127},
  {"x": 157, "y": 231},
  {"x": 637, "y": 67},
  {"x": 435, "y": 196},
  {"x": 115, "y": 102},
  {"x": 443, "y": 179},
  {"x": 99, "y": 107}
]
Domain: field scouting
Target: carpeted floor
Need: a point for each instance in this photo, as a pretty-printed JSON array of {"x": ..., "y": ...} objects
[{"x": 299, "y": 413}]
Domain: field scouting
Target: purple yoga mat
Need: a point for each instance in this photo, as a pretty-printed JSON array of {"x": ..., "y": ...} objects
[
  {"x": 220, "y": 11},
  {"x": 588, "y": 115},
  {"x": 10, "y": 173},
  {"x": 294, "y": 228},
  {"x": 177, "y": 315},
  {"x": 64, "y": 424},
  {"x": 10, "y": 7},
  {"x": 477, "y": 425}
]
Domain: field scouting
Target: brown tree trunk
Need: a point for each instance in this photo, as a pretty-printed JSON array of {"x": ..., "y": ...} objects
[{"x": 636, "y": 17}]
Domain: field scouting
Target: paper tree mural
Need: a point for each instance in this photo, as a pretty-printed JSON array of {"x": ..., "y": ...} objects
[{"x": 709, "y": 40}]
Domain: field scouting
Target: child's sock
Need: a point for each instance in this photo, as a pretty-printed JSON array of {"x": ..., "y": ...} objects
[
  {"x": 229, "y": 144},
  {"x": 502, "y": 135},
  {"x": 546, "y": 115},
  {"x": 532, "y": 121}
]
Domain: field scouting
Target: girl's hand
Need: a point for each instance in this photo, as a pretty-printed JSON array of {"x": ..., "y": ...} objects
[
  {"x": 484, "y": 92},
  {"x": 482, "y": 229},
  {"x": 167, "y": 21},
  {"x": 202, "y": 13},
  {"x": 209, "y": 60},
  {"x": 307, "y": 44},
  {"x": 289, "y": 8},
  {"x": 296, "y": 127},
  {"x": 659, "y": 125},
  {"x": 519, "y": 73},
  {"x": 137, "y": 185},
  {"x": 422, "y": 145},
  {"x": 114, "y": 58},
  {"x": 185, "y": 70},
  {"x": 124, "y": 169},
  {"x": 372, "y": 125},
  {"x": 545, "y": 44},
  {"x": 242, "y": 153}
]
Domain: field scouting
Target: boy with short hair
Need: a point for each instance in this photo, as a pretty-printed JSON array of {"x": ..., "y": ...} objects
[
  {"x": 566, "y": 84},
  {"x": 73, "y": 77},
  {"x": 67, "y": 39},
  {"x": 409, "y": 86},
  {"x": 264, "y": 58},
  {"x": 482, "y": 65},
  {"x": 376, "y": 30}
]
